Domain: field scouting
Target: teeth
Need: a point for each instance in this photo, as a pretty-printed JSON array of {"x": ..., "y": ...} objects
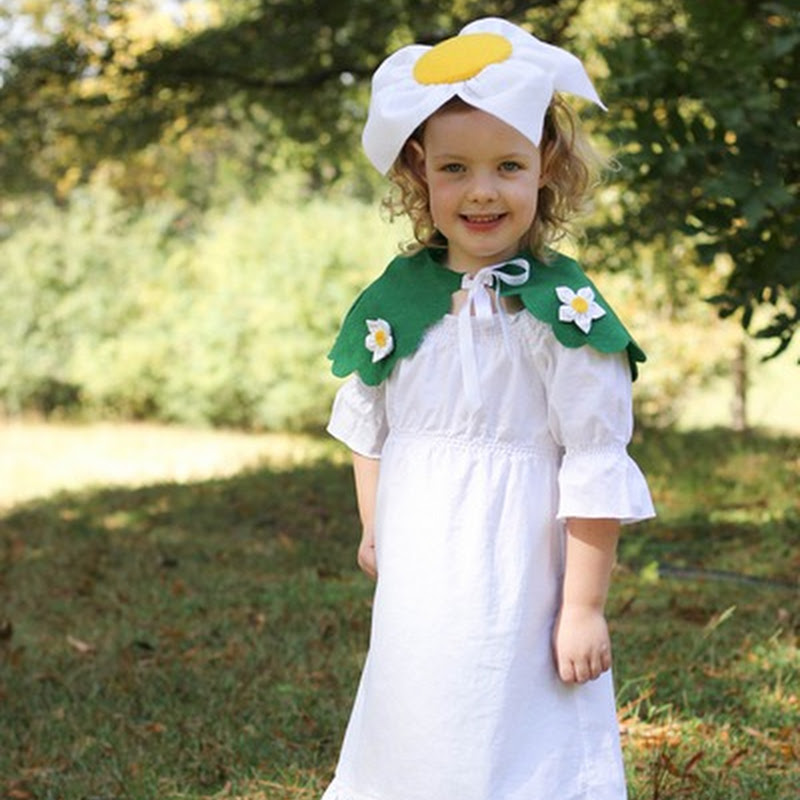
[{"x": 482, "y": 217}]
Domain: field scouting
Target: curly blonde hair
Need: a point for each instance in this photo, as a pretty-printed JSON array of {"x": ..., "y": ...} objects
[{"x": 569, "y": 164}]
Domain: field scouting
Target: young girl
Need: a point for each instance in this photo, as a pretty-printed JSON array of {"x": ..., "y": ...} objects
[{"x": 488, "y": 417}]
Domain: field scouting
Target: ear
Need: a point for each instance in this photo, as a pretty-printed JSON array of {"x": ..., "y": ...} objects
[
  {"x": 545, "y": 166},
  {"x": 551, "y": 153}
]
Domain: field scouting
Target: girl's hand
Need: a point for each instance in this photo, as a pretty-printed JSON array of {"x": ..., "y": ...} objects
[
  {"x": 366, "y": 472},
  {"x": 366, "y": 553},
  {"x": 581, "y": 644}
]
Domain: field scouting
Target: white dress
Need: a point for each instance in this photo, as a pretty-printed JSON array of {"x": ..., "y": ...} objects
[{"x": 459, "y": 698}]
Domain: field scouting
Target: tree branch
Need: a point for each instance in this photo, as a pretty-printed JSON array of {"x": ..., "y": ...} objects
[{"x": 197, "y": 75}]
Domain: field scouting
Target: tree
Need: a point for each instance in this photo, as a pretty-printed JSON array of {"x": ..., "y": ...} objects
[
  {"x": 705, "y": 103},
  {"x": 117, "y": 76}
]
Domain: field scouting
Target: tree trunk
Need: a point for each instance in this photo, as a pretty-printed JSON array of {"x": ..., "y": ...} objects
[{"x": 739, "y": 403}]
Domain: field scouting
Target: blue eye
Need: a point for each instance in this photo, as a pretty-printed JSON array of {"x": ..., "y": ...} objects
[
  {"x": 510, "y": 166},
  {"x": 454, "y": 167}
]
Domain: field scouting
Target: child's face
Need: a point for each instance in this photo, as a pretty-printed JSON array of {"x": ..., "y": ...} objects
[{"x": 483, "y": 178}]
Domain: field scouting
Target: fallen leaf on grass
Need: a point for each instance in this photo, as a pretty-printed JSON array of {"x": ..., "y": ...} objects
[
  {"x": 736, "y": 758},
  {"x": 778, "y": 742},
  {"x": 18, "y": 793},
  {"x": 650, "y": 735},
  {"x": 678, "y": 770},
  {"x": 84, "y": 648},
  {"x": 155, "y": 727},
  {"x": 257, "y": 619},
  {"x": 634, "y": 704},
  {"x": 267, "y": 790},
  {"x": 692, "y": 762}
]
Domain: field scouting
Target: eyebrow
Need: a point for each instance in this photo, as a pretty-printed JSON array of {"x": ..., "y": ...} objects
[{"x": 461, "y": 157}]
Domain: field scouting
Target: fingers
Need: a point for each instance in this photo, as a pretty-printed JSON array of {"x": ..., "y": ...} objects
[
  {"x": 588, "y": 668},
  {"x": 566, "y": 671},
  {"x": 581, "y": 644},
  {"x": 605, "y": 659},
  {"x": 366, "y": 559}
]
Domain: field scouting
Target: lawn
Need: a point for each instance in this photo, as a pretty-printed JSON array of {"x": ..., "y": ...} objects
[{"x": 203, "y": 638}]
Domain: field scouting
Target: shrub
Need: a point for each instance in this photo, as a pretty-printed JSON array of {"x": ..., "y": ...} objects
[{"x": 225, "y": 321}]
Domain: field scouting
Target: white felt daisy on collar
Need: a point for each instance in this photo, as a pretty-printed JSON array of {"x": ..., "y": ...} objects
[
  {"x": 493, "y": 65},
  {"x": 579, "y": 307},
  {"x": 379, "y": 340}
]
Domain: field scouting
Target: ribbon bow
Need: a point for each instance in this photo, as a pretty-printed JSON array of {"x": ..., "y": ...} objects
[{"x": 479, "y": 303}]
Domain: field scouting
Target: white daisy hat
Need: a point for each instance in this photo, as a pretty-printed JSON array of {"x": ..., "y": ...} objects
[{"x": 493, "y": 65}]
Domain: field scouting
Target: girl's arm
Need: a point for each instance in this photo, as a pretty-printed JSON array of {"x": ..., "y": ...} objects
[
  {"x": 366, "y": 474},
  {"x": 581, "y": 643}
]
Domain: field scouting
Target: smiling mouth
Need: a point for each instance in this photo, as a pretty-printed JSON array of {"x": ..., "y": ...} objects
[{"x": 482, "y": 219}]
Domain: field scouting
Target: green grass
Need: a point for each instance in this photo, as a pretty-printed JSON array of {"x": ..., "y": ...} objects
[{"x": 204, "y": 640}]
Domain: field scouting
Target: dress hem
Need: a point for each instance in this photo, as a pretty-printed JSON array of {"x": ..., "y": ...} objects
[{"x": 336, "y": 791}]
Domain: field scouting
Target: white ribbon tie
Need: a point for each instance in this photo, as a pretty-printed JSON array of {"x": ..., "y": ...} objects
[{"x": 479, "y": 304}]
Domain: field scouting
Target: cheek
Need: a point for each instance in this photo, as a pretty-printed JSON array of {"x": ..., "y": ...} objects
[
  {"x": 439, "y": 199},
  {"x": 534, "y": 205},
  {"x": 528, "y": 203}
]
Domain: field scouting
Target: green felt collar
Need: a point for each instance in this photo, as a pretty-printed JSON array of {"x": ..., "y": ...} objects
[{"x": 415, "y": 291}]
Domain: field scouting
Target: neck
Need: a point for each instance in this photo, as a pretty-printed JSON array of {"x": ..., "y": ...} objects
[{"x": 474, "y": 268}]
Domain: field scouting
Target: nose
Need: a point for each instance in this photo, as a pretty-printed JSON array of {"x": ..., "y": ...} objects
[{"x": 482, "y": 187}]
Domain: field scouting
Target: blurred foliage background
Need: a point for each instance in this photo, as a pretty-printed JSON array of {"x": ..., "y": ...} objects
[{"x": 185, "y": 213}]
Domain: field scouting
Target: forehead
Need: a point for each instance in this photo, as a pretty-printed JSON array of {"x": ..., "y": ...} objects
[{"x": 462, "y": 126}]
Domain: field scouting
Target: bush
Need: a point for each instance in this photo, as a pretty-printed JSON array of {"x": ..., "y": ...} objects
[{"x": 223, "y": 320}]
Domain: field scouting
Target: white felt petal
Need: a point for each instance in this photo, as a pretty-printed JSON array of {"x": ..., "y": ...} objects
[{"x": 517, "y": 91}]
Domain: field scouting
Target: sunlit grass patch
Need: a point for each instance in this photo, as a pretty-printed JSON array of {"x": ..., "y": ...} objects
[
  {"x": 673, "y": 757},
  {"x": 38, "y": 459},
  {"x": 707, "y": 682}
]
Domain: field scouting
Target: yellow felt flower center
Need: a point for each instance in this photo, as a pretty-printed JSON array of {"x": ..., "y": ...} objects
[
  {"x": 461, "y": 58},
  {"x": 579, "y": 304},
  {"x": 380, "y": 338}
]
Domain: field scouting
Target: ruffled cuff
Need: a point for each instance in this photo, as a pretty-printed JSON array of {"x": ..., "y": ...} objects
[
  {"x": 603, "y": 483},
  {"x": 358, "y": 418}
]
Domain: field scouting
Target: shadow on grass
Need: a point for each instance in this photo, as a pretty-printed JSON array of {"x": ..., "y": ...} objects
[
  {"x": 204, "y": 639},
  {"x": 179, "y": 635},
  {"x": 726, "y": 502}
]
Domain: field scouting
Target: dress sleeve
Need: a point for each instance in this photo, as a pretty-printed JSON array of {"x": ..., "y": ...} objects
[
  {"x": 590, "y": 414},
  {"x": 358, "y": 418}
]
